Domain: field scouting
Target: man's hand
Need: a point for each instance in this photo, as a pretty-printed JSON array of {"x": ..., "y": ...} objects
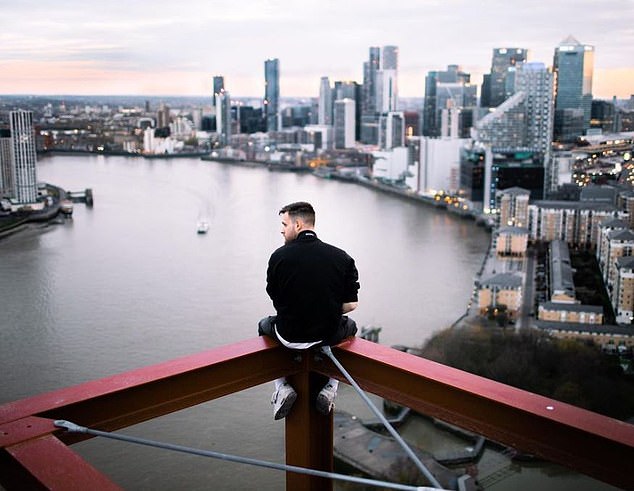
[{"x": 348, "y": 307}]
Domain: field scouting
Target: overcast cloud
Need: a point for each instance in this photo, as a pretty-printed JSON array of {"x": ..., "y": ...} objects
[{"x": 161, "y": 47}]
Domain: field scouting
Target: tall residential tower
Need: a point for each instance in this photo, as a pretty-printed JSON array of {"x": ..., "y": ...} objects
[
  {"x": 24, "y": 156},
  {"x": 272, "y": 94}
]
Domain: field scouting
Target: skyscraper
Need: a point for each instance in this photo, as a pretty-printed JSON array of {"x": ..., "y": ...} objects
[
  {"x": 219, "y": 87},
  {"x": 272, "y": 94},
  {"x": 448, "y": 90},
  {"x": 369, "y": 119},
  {"x": 7, "y": 179},
  {"x": 24, "y": 157},
  {"x": 370, "y": 68},
  {"x": 495, "y": 90},
  {"x": 344, "y": 123},
  {"x": 350, "y": 90},
  {"x": 386, "y": 81},
  {"x": 574, "y": 65},
  {"x": 324, "y": 111},
  {"x": 223, "y": 116},
  {"x": 391, "y": 130},
  {"x": 380, "y": 90},
  {"x": 515, "y": 139}
]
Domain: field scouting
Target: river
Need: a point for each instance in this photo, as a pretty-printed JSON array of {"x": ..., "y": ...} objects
[{"x": 129, "y": 283}]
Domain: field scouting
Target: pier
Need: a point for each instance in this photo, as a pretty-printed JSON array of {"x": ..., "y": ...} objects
[{"x": 84, "y": 196}]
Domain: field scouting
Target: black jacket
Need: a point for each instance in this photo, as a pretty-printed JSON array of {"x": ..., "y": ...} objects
[{"x": 308, "y": 281}]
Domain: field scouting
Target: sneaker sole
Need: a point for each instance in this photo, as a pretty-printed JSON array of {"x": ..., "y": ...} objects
[
  {"x": 324, "y": 406},
  {"x": 285, "y": 408}
]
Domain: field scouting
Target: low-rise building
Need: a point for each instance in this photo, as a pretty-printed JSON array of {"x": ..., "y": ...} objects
[
  {"x": 576, "y": 222},
  {"x": 502, "y": 289},
  {"x": 623, "y": 291},
  {"x": 511, "y": 241},
  {"x": 573, "y": 313}
]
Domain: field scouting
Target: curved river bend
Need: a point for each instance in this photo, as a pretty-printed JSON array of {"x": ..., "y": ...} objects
[{"x": 129, "y": 283}]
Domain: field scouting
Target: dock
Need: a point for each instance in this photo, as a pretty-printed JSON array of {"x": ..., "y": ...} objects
[
  {"x": 381, "y": 457},
  {"x": 84, "y": 196}
]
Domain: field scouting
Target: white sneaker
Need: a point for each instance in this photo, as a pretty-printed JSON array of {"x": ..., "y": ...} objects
[
  {"x": 283, "y": 400},
  {"x": 326, "y": 399}
]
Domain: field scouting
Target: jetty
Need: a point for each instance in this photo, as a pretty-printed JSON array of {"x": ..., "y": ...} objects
[
  {"x": 84, "y": 196},
  {"x": 379, "y": 456}
]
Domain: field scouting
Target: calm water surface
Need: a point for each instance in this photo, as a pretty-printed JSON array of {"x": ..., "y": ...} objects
[{"x": 129, "y": 283}]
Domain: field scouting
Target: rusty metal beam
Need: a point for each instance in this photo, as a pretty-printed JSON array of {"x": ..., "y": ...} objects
[
  {"x": 136, "y": 396},
  {"x": 587, "y": 442},
  {"x": 309, "y": 435},
  {"x": 47, "y": 463}
]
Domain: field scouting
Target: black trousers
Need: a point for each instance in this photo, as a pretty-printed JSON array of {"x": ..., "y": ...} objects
[{"x": 347, "y": 327}]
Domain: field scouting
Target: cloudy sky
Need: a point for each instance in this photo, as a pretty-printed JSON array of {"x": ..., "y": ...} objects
[{"x": 174, "y": 47}]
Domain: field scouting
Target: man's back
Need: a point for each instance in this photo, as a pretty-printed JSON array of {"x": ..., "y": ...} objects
[{"x": 308, "y": 281}]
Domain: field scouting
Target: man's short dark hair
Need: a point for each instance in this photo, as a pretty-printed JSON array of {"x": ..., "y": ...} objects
[{"x": 300, "y": 209}]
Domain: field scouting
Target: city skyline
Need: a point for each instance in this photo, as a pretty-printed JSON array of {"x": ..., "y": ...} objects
[{"x": 163, "y": 48}]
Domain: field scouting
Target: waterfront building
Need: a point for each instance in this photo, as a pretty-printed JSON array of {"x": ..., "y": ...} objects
[
  {"x": 434, "y": 164},
  {"x": 391, "y": 165},
  {"x": 574, "y": 65},
  {"x": 272, "y": 94},
  {"x": 163, "y": 117},
  {"x": 320, "y": 135},
  {"x": 250, "y": 119},
  {"x": 344, "y": 127},
  {"x": 510, "y": 241},
  {"x": 7, "y": 177},
  {"x": 503, "y": 290},
  {"x": 512, "y": 204},
  {"x": 495, "y": 88},
  {"x": 324, "y": 114},
  {"x": 23, "y": 156},
  {"x": 223, "y": 117},
  {"x": 391, "y": 130}
]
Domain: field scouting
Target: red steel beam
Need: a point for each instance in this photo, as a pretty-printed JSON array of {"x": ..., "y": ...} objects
[
  {"x": 309, "y": 435},
  {"x": 47, "y": 463},
  {"x": 587, "y": 442},
  {"x": 136, "y": 396},
  {"x": 126, "y": 399}
]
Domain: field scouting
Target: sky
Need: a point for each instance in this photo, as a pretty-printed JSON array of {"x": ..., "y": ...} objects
[{"x": 175, "y": 47}]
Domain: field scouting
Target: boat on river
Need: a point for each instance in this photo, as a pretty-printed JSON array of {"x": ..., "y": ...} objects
[{"x": 202, "y": 227}]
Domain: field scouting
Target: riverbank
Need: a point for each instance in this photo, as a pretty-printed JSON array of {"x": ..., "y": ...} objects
[
  {"x": 15, "y": 221},
  {"x": 110, "y": 153}
]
